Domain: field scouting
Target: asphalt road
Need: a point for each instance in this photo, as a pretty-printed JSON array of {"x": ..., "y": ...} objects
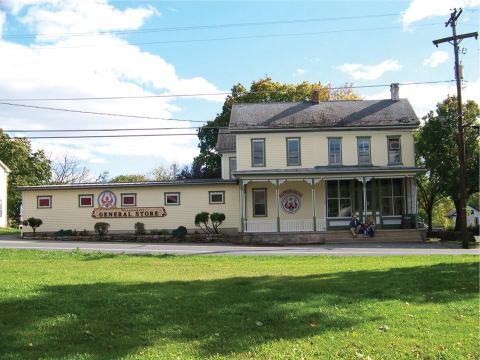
[{"x": 10, "y": 242}]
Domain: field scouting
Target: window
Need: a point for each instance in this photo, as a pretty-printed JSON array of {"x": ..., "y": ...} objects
[
  {"x": 232, "y": 165},
  {"x": 44, "y": 202},
  {"x": 259, "y": 202},
  {"x": 129, "y": 199},
  {"x": 172, "y": 198},
  {"x": 216, "y": 197},
  {"x": 363, "y": 146},
  {"x": 339, "y": 200},
  {"x": 392, "y": 196},
  {"x": 85, "y": 200},
  {"x": 258, "y": 152},
  {"x": 334, "y": 151},
  {"x": 394, "y": 151},
  {"x": 293, "y": 151}
]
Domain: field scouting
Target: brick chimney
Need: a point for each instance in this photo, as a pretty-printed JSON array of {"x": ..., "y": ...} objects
[
  {"x": 394, "y": 91},
  {"x": 316, "y": 96}
]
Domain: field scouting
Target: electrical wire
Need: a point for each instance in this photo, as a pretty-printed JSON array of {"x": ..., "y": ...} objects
[
  {"x": 211, "y": 94},
  {"x": 111, "y": 129},
  {"x": 102, "y": 136}
]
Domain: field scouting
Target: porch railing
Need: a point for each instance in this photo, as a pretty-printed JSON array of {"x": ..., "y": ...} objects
[
  {"x": 296, "y": 225},
  {"x": 261, "y": 226}
]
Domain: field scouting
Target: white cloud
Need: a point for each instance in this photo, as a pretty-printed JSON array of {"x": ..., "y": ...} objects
[
  {"x": 111, "y": 68},
  {"x": 369, "y": 72},
  {"x": 425, "y": 97},
  {"x": 437, "y": 58},
  {"x": 299, "y": 72},
  {"x": 423, "y": 9}
]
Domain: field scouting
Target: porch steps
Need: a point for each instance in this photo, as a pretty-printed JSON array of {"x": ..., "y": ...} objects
[{"x": 381, "y": 236}]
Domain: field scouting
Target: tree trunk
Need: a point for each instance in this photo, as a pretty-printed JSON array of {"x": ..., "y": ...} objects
[
  {"x": 457, "y": 218},
  {"x": 429, "y": 212}
]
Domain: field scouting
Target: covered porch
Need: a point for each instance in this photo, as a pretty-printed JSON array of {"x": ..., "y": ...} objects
[{"x": 326, "y": 203}]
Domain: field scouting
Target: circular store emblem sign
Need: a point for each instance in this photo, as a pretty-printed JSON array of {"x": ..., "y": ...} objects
[
  {"x": 290, "y": 201},
  {"x": 107, "y": 200}
]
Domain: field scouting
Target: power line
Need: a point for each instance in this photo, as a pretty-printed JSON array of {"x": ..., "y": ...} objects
[
  {"x": 198, "y": 27},
  {"x": 210, "y": 94},
  {"x": 232, "y": 37},
  {"x": 111, "y": 129},
  {"x": 98, "y": 113},
  {"x": 101, "y": 136}
]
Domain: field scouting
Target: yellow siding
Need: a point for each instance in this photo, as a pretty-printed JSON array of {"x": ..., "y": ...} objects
[
  {"x": 65, "y": 213},
  {"x": 226, "y": 164},
  {"x": 3, "y": 198},
  {"x": 314, "y": 148}
]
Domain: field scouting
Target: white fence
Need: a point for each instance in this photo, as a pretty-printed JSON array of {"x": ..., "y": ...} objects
[{"x": 297, "y": 225}]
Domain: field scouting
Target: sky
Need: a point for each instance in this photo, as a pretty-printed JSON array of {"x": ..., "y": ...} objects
[{"x": 51, "y": 49}]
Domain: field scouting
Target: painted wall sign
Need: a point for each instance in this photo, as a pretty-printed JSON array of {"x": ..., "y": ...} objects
[
  {"x": 290, "y": 201},
  {"x": 137, "y": 212},
  {"x": 107, "y": 200}
]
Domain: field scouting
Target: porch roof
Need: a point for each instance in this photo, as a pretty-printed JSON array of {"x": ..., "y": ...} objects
[{"x": 334, "y": 171}]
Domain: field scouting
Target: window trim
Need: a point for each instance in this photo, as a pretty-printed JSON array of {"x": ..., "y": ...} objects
[
  {"x": 165, "y": 194},
  {"x": 230, "y": 175},
  {"x": 122, "y": 195},
  {"x": 253, "y": 202},
  {"x": 263, "y": 164},
  {"x": 213, "y": 192},
  {"x": 91, "y": 196},
  {"x": 341, "y": 152},
  {"x": 399, "y": 137},
  {"x": 338, "y": 199},
  {"x": 369, "y": 150},
  {"x": 49, "y": 197},
  {"x": 299, "y": 150}
]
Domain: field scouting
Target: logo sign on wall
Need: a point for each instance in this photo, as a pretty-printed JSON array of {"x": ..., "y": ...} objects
[
  {"x": 107, "y": 200},
  {"x": 290, "y": 201}
]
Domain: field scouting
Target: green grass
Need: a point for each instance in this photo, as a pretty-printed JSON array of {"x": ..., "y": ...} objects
[
  {"x": 100, "y": 306},
  {"x": 9, "y": 231}
]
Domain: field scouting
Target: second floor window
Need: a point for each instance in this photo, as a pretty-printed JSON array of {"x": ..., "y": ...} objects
[
  {"x": 363, "y": 145},
  {"x": 258, "y": 152},
  {"x": 334, "y": 151},
  {"x": 293, "y": 151},
  {"x": 394, "y": 151},
  {"x": 232, "y": 165}
]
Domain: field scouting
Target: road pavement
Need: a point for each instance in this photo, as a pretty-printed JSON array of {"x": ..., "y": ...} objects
[{"x": 364, "y": 249}]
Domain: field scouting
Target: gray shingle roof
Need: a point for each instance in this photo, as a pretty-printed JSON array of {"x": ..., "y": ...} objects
[
  {"x": 328, "y": 114},
  {"x": 226, "y": 141}
]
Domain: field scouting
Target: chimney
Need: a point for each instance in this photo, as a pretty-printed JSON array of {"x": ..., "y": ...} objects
[
  {"x": 394, "y": 91},
  {"x": 316, "y": 96}
]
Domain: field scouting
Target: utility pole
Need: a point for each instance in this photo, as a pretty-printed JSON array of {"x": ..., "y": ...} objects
[{"x": 455, "y": 41}]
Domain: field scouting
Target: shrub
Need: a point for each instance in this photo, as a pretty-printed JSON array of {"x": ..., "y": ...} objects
[
  {"x": 203, "y": 219},
  {"x": 160, "y": 232},
  {"x": 34, "y": 223},
  {"x": 217, "y": 219},
  {"x": 61, "y": 233},
  {"x": 140, "y": 228},
  {"x": 180, "y": 232},
  {"x": 101, "y": 228},
  {"x": 84, "y": 232},
  {"x": 449, "y": 235}
]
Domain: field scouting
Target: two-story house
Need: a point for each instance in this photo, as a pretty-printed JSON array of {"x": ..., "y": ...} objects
[
  {"x": 287, "y": 168},
  {"x": 309, "y": 166}
]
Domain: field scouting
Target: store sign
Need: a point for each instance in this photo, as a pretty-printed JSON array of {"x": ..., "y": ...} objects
[
  {"x": 290, "y": 201},
  {"x": 134, "y": 212},
  {"x": 107, "y": 200}
]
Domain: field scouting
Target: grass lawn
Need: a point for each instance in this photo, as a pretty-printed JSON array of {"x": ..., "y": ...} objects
[
  {"x": 101, "y": 306},
  {"x": 9, "y": 231}
]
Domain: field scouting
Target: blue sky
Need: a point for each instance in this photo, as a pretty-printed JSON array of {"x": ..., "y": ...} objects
[{"x": 391, "y": 43}]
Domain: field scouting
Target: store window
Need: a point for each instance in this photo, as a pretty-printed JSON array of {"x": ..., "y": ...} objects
[
  {"x": 85, "y": 200},
  {"x": 339, "y": 199}
]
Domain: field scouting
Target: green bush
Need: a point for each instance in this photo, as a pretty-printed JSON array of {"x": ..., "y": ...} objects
[
  {"x": 159, "y": 232},
  {"x": 140, "y": 228},
  {"x": 62, "y": 233},
  {"x": 180, "y": 232},
  {"x": 101, "y": 228},
  {"x": 34, "y": 223},
  {"x": 203, "y": 218}
]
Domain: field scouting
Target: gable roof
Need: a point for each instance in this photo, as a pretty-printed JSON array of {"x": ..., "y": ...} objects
[
  {"x": 327, "y": 114},
  {"x": 226, "y": 141}
]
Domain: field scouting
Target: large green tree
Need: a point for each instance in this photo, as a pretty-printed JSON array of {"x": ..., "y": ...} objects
[
  {"x": 207, "y": 163},
  {"x": 438, "y": 150},
  {"x": 27, "y": 167}
]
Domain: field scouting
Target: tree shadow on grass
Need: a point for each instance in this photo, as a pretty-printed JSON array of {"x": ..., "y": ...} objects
[{"x": 222, "y": 316}]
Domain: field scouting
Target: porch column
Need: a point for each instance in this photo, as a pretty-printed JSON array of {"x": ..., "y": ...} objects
[
  {"x": 242, "y": 207},
  {"x": 314, "y": 203},
  {"x": 277, "y": 197},
  {"x": 364, "y": 200}
]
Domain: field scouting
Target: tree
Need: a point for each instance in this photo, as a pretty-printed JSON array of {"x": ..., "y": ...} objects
[
  {"x": 129, "y": 178},
  {"x": 34, "y": 223},
  {"x": 428, "y": 195},
  {"x": 27, "y": 167},
  {"x": 67, "y": 169},
  {"x": 438, "y": 150},
  {"x": 103, "y": 177},
  {"x": 207, "y": 163},
  {"x": 162, "y": 173}
]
